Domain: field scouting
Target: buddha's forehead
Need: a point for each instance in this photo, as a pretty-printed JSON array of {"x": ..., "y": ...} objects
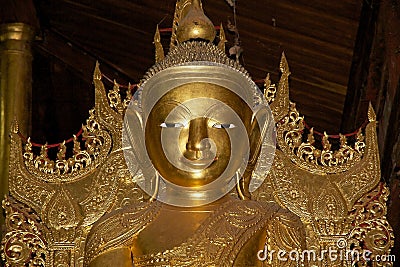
[
  {"x": 183, "y": 83},
  {"x": 200, "y": 100},
  {"x": 202, "y": 91}
]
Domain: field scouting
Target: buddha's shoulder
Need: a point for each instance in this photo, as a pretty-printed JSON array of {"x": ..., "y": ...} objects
[
  {"x": 270, "y": 210},
  {"x": 118, "y": 227},
  {"x": 284, "y": 229}
]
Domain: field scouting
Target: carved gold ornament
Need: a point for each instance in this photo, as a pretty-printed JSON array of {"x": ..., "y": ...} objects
[{"x": 87, "y": 201}]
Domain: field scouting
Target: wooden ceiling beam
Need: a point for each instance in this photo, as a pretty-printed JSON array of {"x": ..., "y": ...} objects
[
  {"x": 303, "y": 20},
  {"x": 316, "y": 39},
  {"x": 269, "y": 32},
  {"x": 343, "y": 8},
  {"x": 78, "y": 59}
]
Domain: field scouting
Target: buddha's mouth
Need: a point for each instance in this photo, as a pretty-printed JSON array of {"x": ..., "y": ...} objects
[{"x": 198, "y": 164}]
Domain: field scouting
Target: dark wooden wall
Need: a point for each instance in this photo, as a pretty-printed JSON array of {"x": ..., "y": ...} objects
[
  {"x": 384, "y": 82},
  {"x": 317, "y": 37}
]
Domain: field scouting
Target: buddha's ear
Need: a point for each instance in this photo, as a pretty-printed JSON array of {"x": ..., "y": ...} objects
[
  {"x": 260, "y": 122},
  {"x": 133, "y": 135}
]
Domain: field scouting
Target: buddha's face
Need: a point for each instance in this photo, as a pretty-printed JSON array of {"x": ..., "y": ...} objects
[{"x": 197, "y": 133}]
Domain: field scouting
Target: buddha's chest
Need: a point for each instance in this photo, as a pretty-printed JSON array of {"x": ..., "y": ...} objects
[
  {"x": 168, "y": 230},
  {"x": 228, "y": 237}
]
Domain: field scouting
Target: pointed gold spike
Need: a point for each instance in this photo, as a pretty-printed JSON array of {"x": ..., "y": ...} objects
[
  {"x": 310, "y": 136},
  {"x": 158, "y": 46},
  {"x": 15, "y": 126},
  {"x": 128, "y": 97},
  {"x": 175, "y": 23},
  {"x": 267, "y": 82},
  {"x": 77, "y": 145},
  {"x": 371, "y": 113},
  {"x": 284, "y": 66},
  {"x": 222, "y": 38},
  {"x": 269, "y": 89},
  {"x": 85, "y": 132},
  {"x": 129, "y": 92},
  {"x": 360, "y": 137},
  {"x": 97, "y": 72},
  {"x": 28, "y": 155},
  {"x": 325, "y": 142},
  {"x": 281, "y": 105},
  {"x": 343, "y": 140},
  {"x": 62, "y": 150},
  {"x": 43, "y": 151},
  {"x": 116, "y": 86}
]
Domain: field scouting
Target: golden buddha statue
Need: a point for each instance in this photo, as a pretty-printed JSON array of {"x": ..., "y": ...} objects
[
  {"x": 196, "y": 169},
  {"x": 196, "y": 127}
]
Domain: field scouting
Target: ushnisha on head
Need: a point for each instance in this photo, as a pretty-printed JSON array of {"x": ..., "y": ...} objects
[
  {"x": 198, "y": 121},
  {"x": 195, "y": 25}
]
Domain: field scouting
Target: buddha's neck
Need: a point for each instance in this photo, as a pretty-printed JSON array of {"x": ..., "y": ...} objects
[{"x": 203, "y": 208}]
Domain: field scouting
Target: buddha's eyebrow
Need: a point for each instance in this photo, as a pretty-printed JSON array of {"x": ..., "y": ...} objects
[
  {"x": 180, "y": 106},
  {"x": 210, "y": 110}
]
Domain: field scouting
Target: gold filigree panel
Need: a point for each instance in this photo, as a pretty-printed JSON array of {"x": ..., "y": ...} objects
[{"x": 54, "y": 204}]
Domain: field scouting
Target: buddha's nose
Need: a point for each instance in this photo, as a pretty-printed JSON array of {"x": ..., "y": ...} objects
[{"x": 197, "y": 145}]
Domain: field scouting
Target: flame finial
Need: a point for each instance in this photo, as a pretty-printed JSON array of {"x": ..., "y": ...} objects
[
  {"x": 157, "y": 43},
  {"x": 371, "y": 113},
  {"x": 195, "y": 24}
]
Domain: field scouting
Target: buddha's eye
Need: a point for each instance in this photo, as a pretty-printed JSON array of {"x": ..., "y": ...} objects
[
  {"x": 224, "y": 125},
  {"x": 172, "y": 125}
]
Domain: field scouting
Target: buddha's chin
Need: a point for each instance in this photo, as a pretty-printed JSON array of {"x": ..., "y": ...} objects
[
  {"x": 198, "y": 165},
  {"x": 193, "y": 179}
]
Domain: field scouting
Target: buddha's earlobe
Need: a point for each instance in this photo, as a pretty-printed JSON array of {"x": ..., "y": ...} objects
[
  {"x": 133, "y": 139},
  {"x": 156, "y": 186},
  {"x": 257, "y": 133},
  {"x": 242, "y": 186}
]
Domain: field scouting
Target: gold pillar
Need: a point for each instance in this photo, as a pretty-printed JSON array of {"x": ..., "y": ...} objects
[{"x": 15, "y": 88}]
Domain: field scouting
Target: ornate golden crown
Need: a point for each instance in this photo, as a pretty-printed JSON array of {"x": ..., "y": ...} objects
[{"x": 53, "y": 204}]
